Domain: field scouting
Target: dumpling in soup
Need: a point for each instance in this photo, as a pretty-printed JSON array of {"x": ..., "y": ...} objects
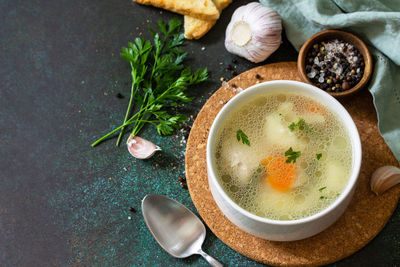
[{"x": 240, "y": 158}]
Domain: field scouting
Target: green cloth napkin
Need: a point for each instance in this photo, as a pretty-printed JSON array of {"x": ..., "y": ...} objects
[{"x": 377, "y": 23}]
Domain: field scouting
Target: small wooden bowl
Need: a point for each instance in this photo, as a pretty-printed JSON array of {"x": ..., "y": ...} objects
[{"x": 340, "y": 35}]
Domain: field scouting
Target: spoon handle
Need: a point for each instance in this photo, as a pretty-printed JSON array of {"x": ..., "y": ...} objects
[{"x": 213, "y": 262}]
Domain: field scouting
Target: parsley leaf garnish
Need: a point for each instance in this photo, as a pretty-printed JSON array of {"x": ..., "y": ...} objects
[
  {"x": 299, "y": 123},
  {"x": 319, "y": 155},
  {"x": 322, "y": 188},
  {"x": 159, "y": 81},
  {"x": 322, "y": 197},
  {"x": 292, "y": 155},
  {"x": 241, "y": 135}
]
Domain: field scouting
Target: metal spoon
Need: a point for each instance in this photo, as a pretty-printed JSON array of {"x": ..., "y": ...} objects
[{"x": 178, "y": 230}]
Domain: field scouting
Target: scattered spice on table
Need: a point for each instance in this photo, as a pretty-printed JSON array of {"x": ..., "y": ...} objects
[
  {"x": 119, "y": 95},
  {"x": 182, "y": 182},
  {"x": 183, "y": 185},
  {"x": 132, "y": 209},
  {"x": 185, "y": 130},
  {"x": 335, "y": 65}
]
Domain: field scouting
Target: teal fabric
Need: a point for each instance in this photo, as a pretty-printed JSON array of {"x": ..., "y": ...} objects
[{"x": 377, "y": 23}]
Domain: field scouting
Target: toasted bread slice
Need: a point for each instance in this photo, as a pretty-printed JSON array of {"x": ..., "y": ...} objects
[
  {"x": 201, "y": 9},
  {"x": 221, "y": 4},
  {"x": 196, "y": 28}
]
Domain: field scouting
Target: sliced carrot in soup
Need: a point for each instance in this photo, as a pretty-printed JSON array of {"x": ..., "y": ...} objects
[{"x": 280, "y": 175}]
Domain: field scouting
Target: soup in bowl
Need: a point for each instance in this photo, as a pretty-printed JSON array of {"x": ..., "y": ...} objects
[{"x": 283, "y": 159}]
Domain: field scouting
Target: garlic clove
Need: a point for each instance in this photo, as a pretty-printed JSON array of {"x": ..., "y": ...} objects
[
  {"x": 141, "y": 148},
  {"x": 384, "y": 178},
  {"x": 254, "y": 32}
]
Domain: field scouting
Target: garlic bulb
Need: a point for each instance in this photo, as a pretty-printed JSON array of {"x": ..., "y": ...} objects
[
  {"x": 254, "y": 32},
  {"x": 384, "y": 178},
  {"x": 141, "y": 148}
]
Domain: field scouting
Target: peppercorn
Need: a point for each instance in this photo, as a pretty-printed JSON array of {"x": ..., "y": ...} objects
[
  {"x": 346, "y": 85},
  {"x": 330, "y": 62},
  {"x": 131, "y": 209}
]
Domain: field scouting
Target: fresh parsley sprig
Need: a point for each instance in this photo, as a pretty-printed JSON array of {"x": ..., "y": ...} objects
[
  {"x": 159, "y": 81},
  {"x": 136, "y": 54},
  {"x": 292, "y": 155},
  {"x": 241, "y": 135}
]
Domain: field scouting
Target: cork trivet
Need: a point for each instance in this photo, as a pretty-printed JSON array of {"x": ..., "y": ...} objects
[{"x": 365, "y": 217}]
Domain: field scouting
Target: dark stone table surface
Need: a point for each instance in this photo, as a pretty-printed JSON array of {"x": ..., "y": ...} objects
[{"x": 65, "y": 203}]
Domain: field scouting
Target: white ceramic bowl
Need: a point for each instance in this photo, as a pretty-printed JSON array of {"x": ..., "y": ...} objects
[{"x": 275, "y": 229}]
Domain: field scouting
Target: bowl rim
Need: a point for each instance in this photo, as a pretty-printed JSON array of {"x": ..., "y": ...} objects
[
  {"x": 331, "y": 34},
  {"x": 350, "y": 125}
]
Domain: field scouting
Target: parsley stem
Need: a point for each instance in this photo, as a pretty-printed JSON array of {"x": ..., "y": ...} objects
[
  {"x": 128, "y": 122},
  {"x": 139, "y": 124},
  {"x": 128, "y": 111},
  {"x": 110, "y": 133},
  {"x": 142, "y": 124},
  {"x": 139, "y": 113}
]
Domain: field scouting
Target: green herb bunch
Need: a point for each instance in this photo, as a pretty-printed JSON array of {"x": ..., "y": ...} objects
[{"x": 159, "y": 81}]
